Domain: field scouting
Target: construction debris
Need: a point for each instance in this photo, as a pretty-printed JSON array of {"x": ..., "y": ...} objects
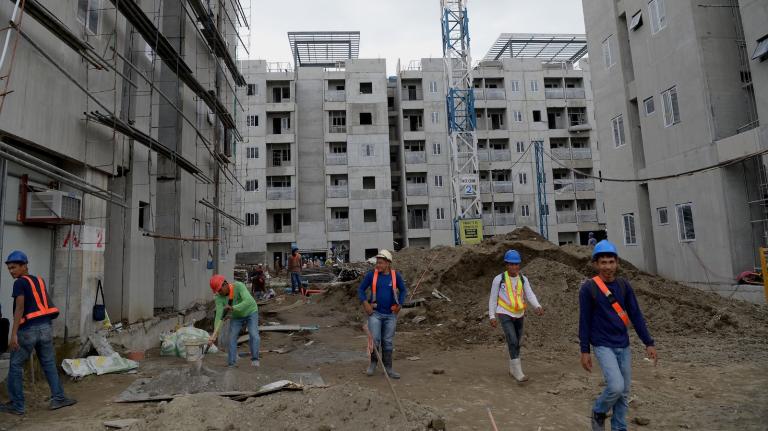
[{"x": 289, "y": 328}]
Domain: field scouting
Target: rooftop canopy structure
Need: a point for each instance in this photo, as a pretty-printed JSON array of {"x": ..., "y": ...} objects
[
  {"x": 549, "y": 48},
  {"x": 323, "y": 48}
]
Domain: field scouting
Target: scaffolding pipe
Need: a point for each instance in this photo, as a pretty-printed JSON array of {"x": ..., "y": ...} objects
[
  {"x": 8, "y": 35},
  {"x": 18, "y": 153},
  {"x": 70, "y": 240},
  {"x": 3, "y": 183},
  {"x": 81, "y": 185}
]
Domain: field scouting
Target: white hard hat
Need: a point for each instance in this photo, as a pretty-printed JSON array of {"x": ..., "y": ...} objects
[{"x": 384, "y": 254}]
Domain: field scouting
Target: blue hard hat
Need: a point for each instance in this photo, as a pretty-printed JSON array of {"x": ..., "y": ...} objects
[
  {"x": 17, "y": 256},
  {"x": 604, "y": 247},
  {"x": 512, "y": 256}
]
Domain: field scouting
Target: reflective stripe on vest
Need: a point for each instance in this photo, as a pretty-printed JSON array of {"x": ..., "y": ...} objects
[
  {"x": 516, "y": 303},
  {"x": 41, "y": 300},
  {"x": 394, "y": 286},
  {"x": 612, "y": 300}
]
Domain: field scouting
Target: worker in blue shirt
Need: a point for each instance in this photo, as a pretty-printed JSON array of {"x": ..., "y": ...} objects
[
  {"x": 382, "y": 293},
  {"x": 607, "y": 305}
]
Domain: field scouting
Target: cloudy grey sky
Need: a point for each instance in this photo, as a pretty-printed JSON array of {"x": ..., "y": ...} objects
[{"x": 404, "y": 29}]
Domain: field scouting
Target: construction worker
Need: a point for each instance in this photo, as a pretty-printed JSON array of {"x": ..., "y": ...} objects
[
  {"x": 235, "y": 299},
  {"x": 294, "y": 268},
  {"x": 607, "y": 305},
  {"x": 382, "y": 292},
  {"x": 33, "y": 312},
  {"x": 591, "y": 242},
  {"x": 506, "y": 303}
]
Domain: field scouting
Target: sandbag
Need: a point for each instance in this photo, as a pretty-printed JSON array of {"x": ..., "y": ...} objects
[
  {"x": 98, "y": 365},
  {"x": 174, "y": 343}
]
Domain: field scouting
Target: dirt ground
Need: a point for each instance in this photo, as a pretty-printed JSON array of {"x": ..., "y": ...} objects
[{"x": 711, "y": 374}]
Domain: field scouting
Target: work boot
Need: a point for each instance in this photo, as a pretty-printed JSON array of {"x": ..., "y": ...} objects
[
  {"x": 386, "y": 357},
  {"x": 57, "y": 404},
  {"x": 516, "y": 370},
  {"x": 598, "y": 421},
  {"x": 8, "y": 408},
  {"x": 372, "y": 366}
]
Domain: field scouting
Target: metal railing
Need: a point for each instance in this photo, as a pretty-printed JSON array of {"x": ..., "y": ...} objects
[
  {"x": 501, "y": 155},
  {"x": 335, "y": 96},
  {"x": 485, "y": 186},
  {"x": 418, "y": 223},
  {"x": 498, "y": 219},
  {"x": 337, "y": 191},
  {"x": 337, "y": 129},
  {"x": 336, "y": 159},
  {"x": 575, "y": 93},
  {"x": 416, "y": 189},
  {"x": 275, "y": 66},
  {"x": 566, "y": 216},
  {"x": 483, "y": 155},
  {"x": 284, "y": 229},
  {"x": 279, "y": 163},
  {"x": 563, "y": 185},
  {"x": 338, "y": 225},
  {"x": 280, "y": 193},
  {"x": 415, "y": 157},
  {"x": 588, "y": 216}
]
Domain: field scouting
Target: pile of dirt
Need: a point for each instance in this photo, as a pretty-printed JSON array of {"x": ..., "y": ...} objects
[
  {"x": 464, "y": 275},
  {"x": 347, "y": 407}
]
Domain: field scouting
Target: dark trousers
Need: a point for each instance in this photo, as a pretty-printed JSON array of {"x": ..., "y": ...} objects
[{"x": 513, "y": 332}]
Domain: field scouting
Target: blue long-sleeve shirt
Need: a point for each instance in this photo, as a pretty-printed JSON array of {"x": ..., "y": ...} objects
[
  {"x": 600, "y": 325},
  {"x": 385, "y": 298}
]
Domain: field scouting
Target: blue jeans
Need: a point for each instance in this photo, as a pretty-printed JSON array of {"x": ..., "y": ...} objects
[
  {"x": 295, "y": 282},
  {"x": 254, "y": 341},
  {"x": 382, "y": 328},
  {"x": 40, "y": 339},
  {"x": 616, "y": 365},
  {"x": 513, "y": 333}
]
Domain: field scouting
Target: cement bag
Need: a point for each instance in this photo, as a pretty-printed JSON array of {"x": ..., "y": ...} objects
[
  {"x": 173, "y": 343},
  {"x": 97, "y": 365}
]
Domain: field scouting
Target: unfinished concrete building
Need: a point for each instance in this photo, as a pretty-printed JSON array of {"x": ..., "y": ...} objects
[
  {"x": 528, "y": 88},
  {"x": 315, "y": 158},
  {"x": 118, "y": 131},
  {"x": 676, "y": 85}
]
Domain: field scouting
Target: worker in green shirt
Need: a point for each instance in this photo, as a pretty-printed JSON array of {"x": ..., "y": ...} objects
[{"x": 235, "y": 299}]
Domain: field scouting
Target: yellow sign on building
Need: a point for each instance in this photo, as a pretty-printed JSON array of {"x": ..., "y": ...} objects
[{"x": 471, "y": 231}]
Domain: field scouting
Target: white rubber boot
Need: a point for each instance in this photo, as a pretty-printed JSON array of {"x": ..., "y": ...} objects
[{"x": 516, "y": 370}]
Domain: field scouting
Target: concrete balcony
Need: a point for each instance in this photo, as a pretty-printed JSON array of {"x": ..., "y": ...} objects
[
  {"x": 562, "y": 185},
  {"x": 503, "y": 187},
  {"x": 499, "y": 219},
  {"x": 483, "y": 155},
  {"x": 564, "y": 93},
  {"x": 485, "y": 186},
  {"x": 501, "y": 155},
  {"x": 495, "y": 94},
  {"x": 337, "y": 129},
  {"x": 561, "y": 153},
  {"x": 575, "y": 93},
  {"x": 581, "y": 153},
  {"x": 336, "y": 159},
  {"x": 284, "y": 229},
  {"x": 337, "y": 191},
  {"x": 338, "y": 225},
  {"x": 584, "y": 185},
  {"x": 589, "y": 216},
  {"x": 335, "y": 96},
  {"x": 441, "y": 225},
  {"x": 412, "y": 95},
  {"x": 566, "y": 216},
  {"x": 416, "y": 189},
  {"x": 286, "y": 105},
  {"x": 284, "y": 137},
  {"x": 280, "y": 193},
  {"x": 414, "y": 157}
]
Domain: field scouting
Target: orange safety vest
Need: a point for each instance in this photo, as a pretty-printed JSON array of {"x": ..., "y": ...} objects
[
  {"x": 611, "y": 299},
  {"x": 41, "y": 300},
  {"x": 394, "y": 286},
  {"x": 516, "y": 304}
]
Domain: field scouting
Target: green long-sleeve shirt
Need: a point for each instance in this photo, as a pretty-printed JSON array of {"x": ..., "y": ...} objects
[{"x": 243, "y": 304}]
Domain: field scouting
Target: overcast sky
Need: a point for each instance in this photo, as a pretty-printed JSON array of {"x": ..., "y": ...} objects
[{"x": 404, "y": 29}]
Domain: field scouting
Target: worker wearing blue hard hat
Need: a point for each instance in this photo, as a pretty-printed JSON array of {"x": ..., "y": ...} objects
[
  {"x": 33, "y": 312},
  {"x": 607, "y": 305},
  {"x": 507, "y": 304}
]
